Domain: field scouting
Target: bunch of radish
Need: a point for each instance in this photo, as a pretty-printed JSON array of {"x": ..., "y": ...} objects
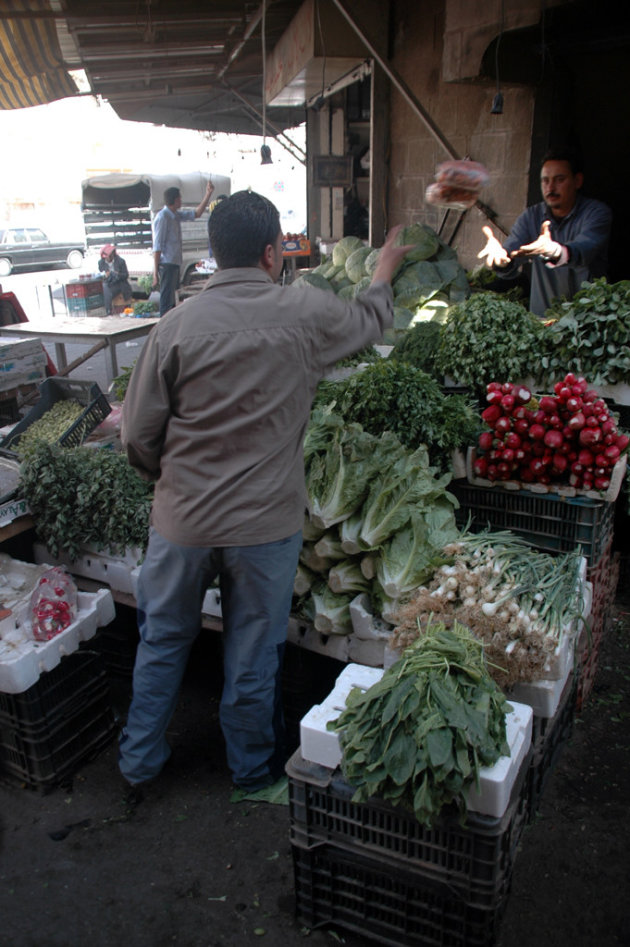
[{"x": 568, "y": 437}]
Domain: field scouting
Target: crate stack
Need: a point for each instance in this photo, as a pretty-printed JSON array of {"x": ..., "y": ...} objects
[
  {"x": 372, "y": 868},
  {"x": 85, "y": 298},
  {"x": 55, "y": 704},
  {"x": 554, "y": 523}
]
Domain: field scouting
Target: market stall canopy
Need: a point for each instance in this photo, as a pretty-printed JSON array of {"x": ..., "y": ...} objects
[{"x": 169, "y": 62}]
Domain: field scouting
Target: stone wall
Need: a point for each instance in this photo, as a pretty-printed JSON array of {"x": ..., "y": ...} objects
[{"x": 461, "y": 109}]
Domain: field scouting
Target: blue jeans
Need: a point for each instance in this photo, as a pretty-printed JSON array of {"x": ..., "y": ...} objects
[
  {"x": 256, "y": 588},
  {"x": 169, "y": 282}
]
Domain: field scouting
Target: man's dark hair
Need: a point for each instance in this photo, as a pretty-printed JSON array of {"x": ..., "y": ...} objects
[
  {"x": 240, "y": 228},
  {"x": 170, "y": 195},
  {"x": 568, "y": 154}
]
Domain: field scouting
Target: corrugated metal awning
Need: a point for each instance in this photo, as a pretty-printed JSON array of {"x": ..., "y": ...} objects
[{"x": 32, "y": 71}]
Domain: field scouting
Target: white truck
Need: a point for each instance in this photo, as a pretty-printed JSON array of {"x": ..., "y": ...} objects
[{"x": 119, "y": 209}]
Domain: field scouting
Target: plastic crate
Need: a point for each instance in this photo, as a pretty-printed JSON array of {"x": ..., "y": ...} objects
[
  {"x": 549, "y": 522},
  {"x": 96, "y": 408},
  {"x": 474, "y": 859},
  {"x": 549, "y": 737},
  {"x": 81, "y": 289},
  {"x": 62, "y": 721},
  {"x": 363, "y": 895},
  {"x": 92, "y": 306}
]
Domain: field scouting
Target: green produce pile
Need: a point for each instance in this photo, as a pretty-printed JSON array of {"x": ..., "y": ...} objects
[
  {"x": 52, "y": 425},
  {"x": 391, "y": 395},
  {"x": 379, "y": 516},
  {"x": 121, "y": 382},
  {"x": 591, "y": 334},
  {"x": 488, "y": 337},
  {"x": 80, "y": 496},
  {"x": 419, "y": 736},
  {"x": 418, "y": 346},
  {"x": 517, "y": 601},
  {"x": 428, "y": 281}
]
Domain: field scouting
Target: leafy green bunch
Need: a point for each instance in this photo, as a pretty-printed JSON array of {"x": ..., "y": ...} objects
[
  {"x": 394, "y": 396},
  {"x": 81, "y": 496},
  {"x": 420, "y": 735},
  {"x": 591, "y": 334},
  {"x": 489, "y": 338}
]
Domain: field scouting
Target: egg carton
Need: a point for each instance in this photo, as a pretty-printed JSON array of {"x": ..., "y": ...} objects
[
  {"x": 322, "y": 746},
  {"x": 23, "y": 660}
]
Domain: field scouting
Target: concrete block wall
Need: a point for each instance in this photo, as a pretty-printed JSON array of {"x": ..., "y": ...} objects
[{"x": 461, "y": 110}]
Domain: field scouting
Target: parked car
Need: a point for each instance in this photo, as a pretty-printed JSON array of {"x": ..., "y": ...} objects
[{"x": 29, "y": 246}]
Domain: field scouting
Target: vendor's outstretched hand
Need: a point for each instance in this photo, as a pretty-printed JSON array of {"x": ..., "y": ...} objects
[
  {"x": 493, "y": 252},
  {"x": 543, "y": 245},
  {"x": 390, "y": 257}
]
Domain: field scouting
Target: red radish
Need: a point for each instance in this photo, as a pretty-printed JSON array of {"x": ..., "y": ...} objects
[
  {"x": 502, "y": 425},
  {"x": 494, "y": 396},
  {"x": 512, "y": 440},
  {"x": 590, "y": 436},
  {"x": 526, "y": 475},
  {"x": 555, "y": 422},
  {"x": 586, "y": 458},
  {"x": 480, "y": 466},
  {"x": 559, "y": 463},
  {"x": 507, "y": 387},
  {"x": 521, "y": 426},
  {"x": 601, "y": 483},
  {"x": 577, "y": 468},
  {"x": 493, "y": 386},
  {"x": 622, "y": 441},
  {"x": 491, "y": 472},
  {"x": 486, "y": 439},
  {"x": 548, "y": 404},
  {"x": 522, "y": 394},
  {"x": 491, "y": 414},
  {"x": 576, "y": 422},
  {"x": 569, "y": 378},
  {"x": 553, "y": 439},
  {"x": 507, "y": 402},
  {"x": 508, "y": 455},
  {"x": 536, "y": 432},
  {"x": 590, "y": 395},
  {"x": 519, "y": 413},
  {"x": 573, "y": 404}
]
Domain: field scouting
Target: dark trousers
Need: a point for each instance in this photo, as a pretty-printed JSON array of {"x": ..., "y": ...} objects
[{"x": 169, "y": 281}]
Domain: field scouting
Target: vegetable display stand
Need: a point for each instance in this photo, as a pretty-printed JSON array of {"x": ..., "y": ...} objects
[
  {"x": 48, "y": 731},
  {"x": 372, "y": 868},
  {"x": 96, "y": 407},
  {"x": 549, "y": 737},
  {"x": 548, "y": 521}
]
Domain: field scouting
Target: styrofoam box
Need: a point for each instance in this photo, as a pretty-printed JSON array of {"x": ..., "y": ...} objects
[
  {"x": 116, "y": 571},
  {"x": 305, "y": 636},
  {"x": 21, "y": 665},
  {"x": 322, "y": 746},
  {"x": 212, "y": 603},
  {"x": 542, "y": 696}
]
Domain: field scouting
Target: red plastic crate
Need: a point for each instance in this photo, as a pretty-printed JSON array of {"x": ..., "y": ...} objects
[{"x": 83, "y": 288}]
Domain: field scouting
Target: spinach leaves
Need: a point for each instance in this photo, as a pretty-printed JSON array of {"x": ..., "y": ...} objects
[{"x": 419, "y": 736}]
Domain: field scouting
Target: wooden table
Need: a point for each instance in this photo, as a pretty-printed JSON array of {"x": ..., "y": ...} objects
[{"x": 110, "y": 330}]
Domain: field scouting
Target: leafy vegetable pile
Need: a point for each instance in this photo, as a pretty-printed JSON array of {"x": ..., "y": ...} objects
[
  {"x": 429, "y": 279},
  {"x": 390, "y": 395},
  {"x": 418, "y": 346},
  {"x": 591, "y": 334},
  {"x": 419, "y": 736},
  {"x": 488, "y": 337},
  {"x": 378, "y": 518},
  {"x": 79, "y": 496},
  {"x": 516, "y": 600}
]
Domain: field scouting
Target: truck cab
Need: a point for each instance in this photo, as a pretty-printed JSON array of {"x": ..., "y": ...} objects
[{"x": 119, "y": 209}]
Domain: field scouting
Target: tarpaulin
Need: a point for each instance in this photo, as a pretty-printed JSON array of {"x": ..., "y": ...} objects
[{"x": 32, "y": 71}]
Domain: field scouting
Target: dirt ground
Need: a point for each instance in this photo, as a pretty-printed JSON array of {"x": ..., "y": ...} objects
[{"x": 188, "y": 867}]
